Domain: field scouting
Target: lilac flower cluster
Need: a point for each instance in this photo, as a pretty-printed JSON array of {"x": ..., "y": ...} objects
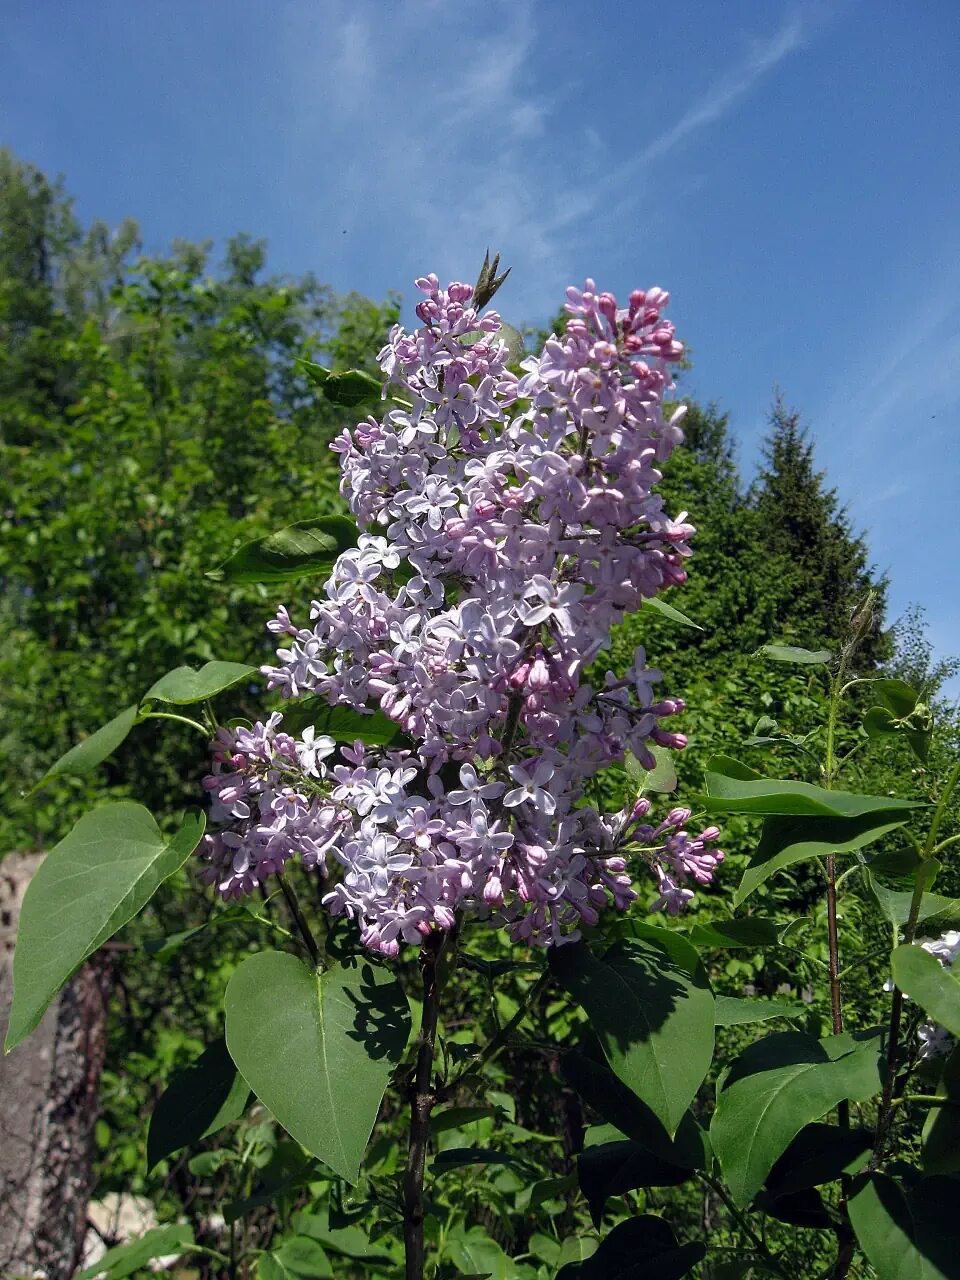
[{"x": 507, "y": 523}]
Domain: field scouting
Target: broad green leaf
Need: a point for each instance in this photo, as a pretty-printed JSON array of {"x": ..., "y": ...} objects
[
  {"x": 306, "y": 549},
  {"x": 613, "y": 1168},
  {"x": 790, "y": 653},
  {"x": 477, "y": 1255},
  {"x": 643, "y": 1248},
  {"x": 458, "y": 1118},
  {"x": 915, "y": 724},
  {"x": 343, "y": 723},
  {"x": 924, "y": 979},
  {"x": 734, "y": 1012},
  {"x": 784, "y": 841},
  {"x": 777, "y": 1086},
  {"x": 185, "y": 685},
  {"x": 941, "y": 1130},
  {"x": 199, "y": 1100},
  {"x": 799, "y": 1208},
  {"x": 668, "y": 611},
  {"x": 896, "y": 695},
  {"x": 725, "y": 935},
  {"x": 302, "y": 1256},
  {"x": 350, "y": 388},
  {"x": 937, "y": 913},
  {"x": 351, "y": 1241},
  {"x": 730, "y": 789},
  {"x": 86, "y": 755},
  {"x": 662, "y": 778},
  {"x": 125, "y": 1259},
  {"x": 96, "y": 879},
  {"x": 908, "y": 1236},
  {"x": 650, "y": 1004},
  {"x": 459, "y": 1157},
  {"x": 576, "y": 1249},
  {"x": 628, "y": 1117},
  {"x": 317, "y": 1049},
  {"x": 819, "y": 1153}
]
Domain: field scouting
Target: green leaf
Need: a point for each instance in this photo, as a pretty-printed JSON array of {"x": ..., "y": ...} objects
[
  {"x": 662, "y": 778},
  {"x": 317, "y": 1049},
  {"x": 819, "y": 1153},
  {"x": 459, "y": 1157},
  {"x": 95, "y": 880},
  {"x": 302, "y": 1256},
  {"x": 790, "y": 653},
  {"x": 731, "y": 788},
  {"x": 941, "y": 1130},
  {"x": 936, "y": 912},
  {"x": 668, "y": 611},
  {"x": 199, "y": 1100},
  {"x": 185, "y": 685},
  {"x": 458, "y": 1118},
  {"x": 302, "y": 550},
  {"x": 724, "y": 935},
  {"x": 651, "y": 1007},
  {"x": 734, "y": 1012},
  {"x": 343, "y": 723},
  {"x": 799, "y": 1208},
  {"x": 576, "y": 1249},
  {"x": 912, "y": 1236},
  {"x": 125, "y": 1259},
  {"x": 643, "y": 1248},
  {"x": 784, "y": 841},
  {"x": 896, "y": 695},
  {"x": 86, "y": 755},
  {"x": 613, "y": 1168},
  {"x": 631, "y": 1118},
  {"x": 351, "y": 1241},
  {"x": 351, "y": 388},
  {"x": 477, "y": 1255},
  {"x": 924, "y": 979},
  {"x": 777, "y": 1086}
]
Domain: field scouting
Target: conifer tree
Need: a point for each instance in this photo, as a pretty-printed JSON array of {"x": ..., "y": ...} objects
[{"x": 816, "y": 565}]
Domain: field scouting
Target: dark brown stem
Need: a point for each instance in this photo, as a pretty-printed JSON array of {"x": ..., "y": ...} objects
[
  {"x": 301, "y": 922},
  {"x": 422, "y": 1099}
]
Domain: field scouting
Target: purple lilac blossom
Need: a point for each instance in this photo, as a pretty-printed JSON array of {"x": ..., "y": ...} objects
[{"x": 522, "y": 509}]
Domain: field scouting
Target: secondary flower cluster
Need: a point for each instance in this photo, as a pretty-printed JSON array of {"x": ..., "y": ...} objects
[{"x": 507, "y": 523}]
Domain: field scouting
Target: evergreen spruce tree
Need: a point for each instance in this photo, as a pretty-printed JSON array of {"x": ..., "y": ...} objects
[{"x": 817, "y": 568}]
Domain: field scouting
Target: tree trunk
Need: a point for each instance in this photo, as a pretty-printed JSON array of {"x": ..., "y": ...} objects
[{"x": 48, "y": 1107}]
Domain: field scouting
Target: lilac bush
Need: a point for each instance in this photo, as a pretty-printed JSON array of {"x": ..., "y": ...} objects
[{"x": 507, "y": 523}]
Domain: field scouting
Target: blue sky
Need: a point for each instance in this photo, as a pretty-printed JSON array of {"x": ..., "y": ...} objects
[{"x": 789, "y": 171}]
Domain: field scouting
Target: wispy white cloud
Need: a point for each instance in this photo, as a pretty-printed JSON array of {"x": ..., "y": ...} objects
[{"x": 440, "y": 128}]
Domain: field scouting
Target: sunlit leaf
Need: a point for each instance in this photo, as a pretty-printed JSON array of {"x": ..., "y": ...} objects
[{"x": 95, "y": 880}]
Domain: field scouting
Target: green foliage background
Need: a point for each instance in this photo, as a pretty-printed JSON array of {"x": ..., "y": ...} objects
[{"x": 153, "y": 418}]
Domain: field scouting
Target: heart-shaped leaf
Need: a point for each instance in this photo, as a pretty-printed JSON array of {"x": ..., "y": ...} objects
[
  {"x": 777, "y": 1086},
  {"x": 650, "y": 1004},
  {"x": 306, "y": 549},
  {"x": 732, "y": 788},
  {"x": 317, "y": 1048},
  {"x": 86, "y": 755},
  {"x": 96, "y": 879},
  {"x": 185, "y": 685},
  {"x": 200, "y": 1100},
  {"x": 784, "y": 841},
  {"x": 941, "y": 1131},
  {"x": 908, "y": 1235},
  {"x": 734, "y": 1012},
  {"x": 643, "y": 1248}
]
